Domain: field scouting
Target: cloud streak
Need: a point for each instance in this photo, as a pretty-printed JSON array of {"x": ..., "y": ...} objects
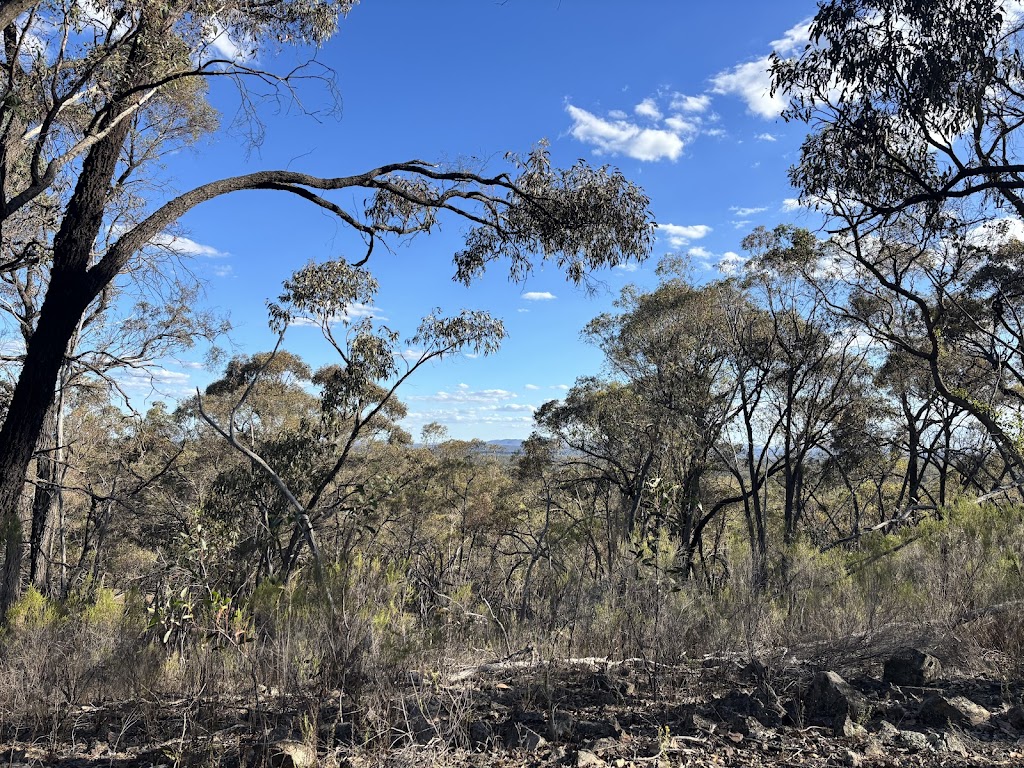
[
  {"x": 352, "y": 312},
  {"x": 185, "y": 246}
]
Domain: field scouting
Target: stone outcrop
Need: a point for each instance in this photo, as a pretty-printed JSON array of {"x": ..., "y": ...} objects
[
  {"x": 830, "y": 697},
  {"x": 910, "y": 666},
  {"x": 956, "y": 710}
]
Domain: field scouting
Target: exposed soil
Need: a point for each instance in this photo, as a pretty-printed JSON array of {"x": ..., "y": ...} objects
[{"x": 586, "y": 712}]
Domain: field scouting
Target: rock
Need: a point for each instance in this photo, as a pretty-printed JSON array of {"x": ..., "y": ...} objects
[
  {"x": 586, "y": 759},
  {"x": 845, "y": 728},
  {"x": 852, "y": 759},
  {"x": 829, "y": 696},
  {"x": 518, "y": 736},
  {"x": 593, "y": 730},
  {"x": 957, "y": 710},
  {"x": 700, "y": 724},
  {"x": 887, "y": 732},
  {"x": 561, "y": 726},
  {"x": 910, "y": 666},
  {"x": 620, "y": 686},
  {"x": 292, "y": 754},
  {"x": 336, "y": 733},
  {"x": 1014, "y": 717},
  {"x": 950, "y": 742},
  {"x": 479, "y": 733},
  {"x": 874, "y": 749},
  {"x": 915, "y": 741}
]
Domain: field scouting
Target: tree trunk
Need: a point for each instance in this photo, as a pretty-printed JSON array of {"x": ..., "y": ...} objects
[
  {"x": 30, "y": 402},
  {"x": 72, "y": 288},
  {"x": 47, "y": 500}
]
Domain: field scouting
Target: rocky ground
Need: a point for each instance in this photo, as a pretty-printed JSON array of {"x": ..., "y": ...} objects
[{"x": 590, "y": 713}]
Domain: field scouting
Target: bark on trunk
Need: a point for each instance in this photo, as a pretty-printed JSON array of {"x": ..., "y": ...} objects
[{"x": 47, "y": 498}]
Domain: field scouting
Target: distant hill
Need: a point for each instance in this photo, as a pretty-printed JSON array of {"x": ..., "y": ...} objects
[{"x": 505, "y": 446}]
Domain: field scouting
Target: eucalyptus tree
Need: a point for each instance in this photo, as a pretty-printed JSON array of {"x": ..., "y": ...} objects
[
  {"x": 357, "y": 401},
  {"x": 912, "y": 106},
  {"x": 916, "y": 114},
  {"x": 95, "y": 95},
  {"x": 671, "y": 347},
  {"x": 816, "y": 366},
  {"x": 613, "y": 443}
]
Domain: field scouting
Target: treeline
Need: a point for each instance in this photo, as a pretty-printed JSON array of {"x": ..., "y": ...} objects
[{"x": 757, "y": 461}]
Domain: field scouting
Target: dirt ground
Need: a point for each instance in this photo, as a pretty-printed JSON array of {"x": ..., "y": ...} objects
[{"x": 590, "y": 713}]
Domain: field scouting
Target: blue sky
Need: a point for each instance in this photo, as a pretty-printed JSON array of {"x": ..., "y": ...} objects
[{"x": 673, "y": 93}]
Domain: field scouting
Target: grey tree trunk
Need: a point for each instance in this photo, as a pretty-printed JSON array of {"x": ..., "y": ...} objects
[{"x": 50, "y": 472}]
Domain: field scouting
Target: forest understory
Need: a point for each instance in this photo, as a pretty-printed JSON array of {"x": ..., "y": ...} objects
[
  {"x": 590, "y": 713},
  {"x": 906, "y": 651}
]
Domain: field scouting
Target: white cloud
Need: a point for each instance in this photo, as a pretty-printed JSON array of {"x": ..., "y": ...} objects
[
  {"x": 539, "y": 296},
  {"x": 699, "y": 252},
  {"x": 563, "y": 387},
  {"x": 681, "y": 126},
  {"x": 740, "y": 224},
  {"x": 620, "y": 137},
  {"x": 186, "y": 247},
  {"x": 618, "y": 114},
  {"x": 997, "y": 232},
  {"x": 744, "y": 212},
  {"x": 227, "y": 48},
  {"x": 102, "y": 19},
  {"x": 680, "y": 235},
  {"x": 347, "y": 315},
  {"x": 731, "y": 264},
  {"x": 751, "y": 80},
  {"x": 32, "y": 47},
  {"x": 628, "y": 267},
  {"x": 648, "y": 108},
  {"x": 794, "y": 39},
  {"x": 358, "y": 309},
  {"x": 464, "y": 394},
  {"x": 684, "y": 103},
  {"x": 531, "y": 386},
  {"x": 160, "y": 380},
  {"x": 811, "y": 202},
  {"x": 765, "y": 137},
  {"x": 524, "y": 310},
  {"x": 716, "y": 132},
  {"x": 222, "y": 270}
]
